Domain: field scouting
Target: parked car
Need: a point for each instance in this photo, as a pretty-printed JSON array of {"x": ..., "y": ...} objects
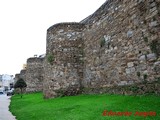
[
  {"x": 10, "y": 92},
  {"x": 1, "y": 91}
]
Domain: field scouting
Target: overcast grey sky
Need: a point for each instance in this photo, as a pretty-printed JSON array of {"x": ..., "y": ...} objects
[{"x": 23, "y": 26}]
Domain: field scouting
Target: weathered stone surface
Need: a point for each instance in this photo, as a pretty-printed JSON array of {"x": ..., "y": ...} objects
[
  {"x": 149, "y": 57},
  {"x": 23, "y": 74},
  {"x": 130, "y": 33},
  {"x": 108, "y": 48},
  {"x": 130, "y": 64},
  {"x": 34, "y": 74},
  {"x": 65, "y": 72},
  {"x": 153, "y": 24},
  {"x": 157, "y": 67},
  {"x": 17, "y": 76},
  {"x": 130, "y": 70},
  {"x": 122, "y": 83},
  {"x": 142, "y": 58},
  {"x": 127, "y": 89}
]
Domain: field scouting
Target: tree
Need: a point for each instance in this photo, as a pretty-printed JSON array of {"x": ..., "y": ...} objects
[{"x": 20, "y": 84}]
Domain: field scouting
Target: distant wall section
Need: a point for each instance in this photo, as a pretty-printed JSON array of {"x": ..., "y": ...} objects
[{"x": 34, "y": 74}]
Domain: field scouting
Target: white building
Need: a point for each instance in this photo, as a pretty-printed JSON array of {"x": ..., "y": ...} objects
[{"x": 6, "y": 81}]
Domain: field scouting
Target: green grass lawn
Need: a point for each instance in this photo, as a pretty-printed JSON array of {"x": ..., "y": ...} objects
[{"x": 85, "y": 107}]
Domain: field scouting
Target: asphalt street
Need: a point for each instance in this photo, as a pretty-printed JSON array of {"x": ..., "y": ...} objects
[{"x": 5, "y": 114}]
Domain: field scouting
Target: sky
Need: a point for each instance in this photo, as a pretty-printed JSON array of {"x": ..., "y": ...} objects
[{"x": 24, "y": 23}]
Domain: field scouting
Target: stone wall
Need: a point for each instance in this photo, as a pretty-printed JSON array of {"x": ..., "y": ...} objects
[
  {"x": 17, "y": 77},
  {"x": 117, "y": 45},
  {"x": 143, "y": 88},
  {"x": 22, "y": 75},
  {"x": 63, "y": 65},
  {"x": 118, "y": 41},
  {"x": 34, "y": 74}
]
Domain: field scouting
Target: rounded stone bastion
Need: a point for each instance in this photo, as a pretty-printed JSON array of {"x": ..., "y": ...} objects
[
  {"x": 34, "y": 74},
  {"x": 64, "y": 59},
  {"x": 23, "y": 74},
  {"x": 17, "y": 77}
]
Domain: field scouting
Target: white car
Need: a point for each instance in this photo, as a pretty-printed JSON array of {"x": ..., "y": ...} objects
[{"x": 10, "y": 92}]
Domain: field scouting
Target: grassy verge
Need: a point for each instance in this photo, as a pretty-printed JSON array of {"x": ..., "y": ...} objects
[{"x": 84, "y": 107}]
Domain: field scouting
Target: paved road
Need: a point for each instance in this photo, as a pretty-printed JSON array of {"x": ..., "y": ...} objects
[{"x": 4, "y": 110}]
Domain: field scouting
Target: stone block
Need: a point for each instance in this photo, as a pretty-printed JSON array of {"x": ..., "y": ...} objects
[
  {"x": 130, "y": 82},
  {"x": 153, "y": 4},
  {"x": 107, "y": 38},
  {"x": 69, "y": 35},
  {"x": 121, "y": 83},
  {"x": 130, "y": 55},
  {"x": 57, "y": 86},
  {"x": 145, "y": 72},
  {"x": 142, "y": 58},
  {"x": 129, "y": 33},
  {"x": 61, "y": 73},
  {"x": 60, "y": 31},
  {"x": 151, "y": 56},
  {"x": 153, "y": 9},
  {"x": 130, "y": 64},
  {"x": 156, "y": 67},
  {"x": 153, "y": 24},
  {"x": 130, "y": 70},
  {"x": 154, "y": 13}
]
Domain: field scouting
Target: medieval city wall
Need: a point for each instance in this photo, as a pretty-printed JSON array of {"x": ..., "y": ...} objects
[
  {"x": 34, "y": 74},
  {"x": 120, "y": 47}
]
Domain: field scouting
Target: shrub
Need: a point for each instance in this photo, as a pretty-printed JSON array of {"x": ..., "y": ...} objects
[
  {"x": 134, "y": 88},
  {"x": 102, "y": 42},
  {"x": 50, "y": 58},
  {"x": 20, "y": 84},
  {"x": 145, "y": 39},
  {"x": 138, "y": 74},
  {"x": 155, "y": 47},
  {"x": 145, "y": 77}
]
